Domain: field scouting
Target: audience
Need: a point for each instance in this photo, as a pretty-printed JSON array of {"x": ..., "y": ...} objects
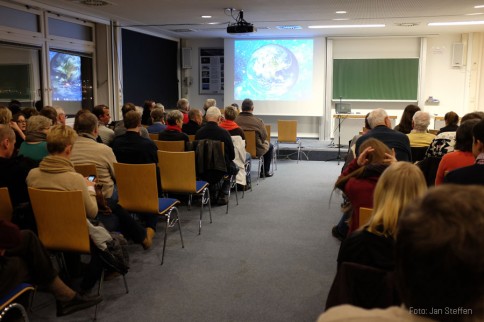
[
  {"x": 105, "y": 133},
  {"x": 173, "y": 130},
  {"x": 380, "y": 129},
  {"x": 358, "y": 181},
  {"x": 120, "y": 129},
  {"x": 462, "y": 155},
  {"x": 21, "y": 122},
  {"x": 61, "y": 115},
  {"x": 24, "y": 259},
  {"x": 183, "y": 105},
  {"x": 148, "y": 106},
  {"x": 451, "y": 122},
  {"x": 157, "y": 117},
  {"x": 472, "y": 174},
  {"x": 35, "y": 145},
  {"x": 419, "y": 137},
  {"x": 405, "y": 125},
  {"x": 194, "y": 123},
  {"x": 228, "y": 123},
  {"x": 6, "y": 118},
  {"x": 50, "y": 113},
  {"x": 209, "y": 102},
  {"x": 248, "y": 122},
  {"x": 438, "y": 272}
]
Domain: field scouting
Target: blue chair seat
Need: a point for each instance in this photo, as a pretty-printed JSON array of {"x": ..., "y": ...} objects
[
  {"x": 201, "y": 185},
  {"x": 164, "y": 204},
  {"x": 14, "y": 293}
]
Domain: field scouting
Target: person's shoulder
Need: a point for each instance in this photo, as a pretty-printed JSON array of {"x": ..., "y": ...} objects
[{"x": 353, "y": 313}]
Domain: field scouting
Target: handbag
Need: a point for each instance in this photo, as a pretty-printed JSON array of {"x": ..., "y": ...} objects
[{"x": 102, "y": 204}]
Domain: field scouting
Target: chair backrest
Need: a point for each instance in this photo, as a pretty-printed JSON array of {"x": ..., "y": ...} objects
[
  {"x": 177, "y": 171},
  {"x": 268, "y": 130},
  {"x": 61, "y": 219},
  {"x": 191, "y": 137},
  {"x": 250, "y": 143},
  {"x": 6, "y": 209},
  {"x": 172, "y": 146},
  {"x": 433, "y": 131},
  {"x": 418, "y": 153},
  {"x": 137, "y": 187},
  {"x": 287, "y": 130},
  {"x": 365, "y": 215},
  {"x": 153, "y": 136},
  {"x": 86, "y": 169}
]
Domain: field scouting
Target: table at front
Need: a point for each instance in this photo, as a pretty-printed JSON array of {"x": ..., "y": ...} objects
[{"x": 351, "y": 125}]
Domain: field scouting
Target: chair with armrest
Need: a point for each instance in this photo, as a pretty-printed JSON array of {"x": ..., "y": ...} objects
[
  {"x": 178, "y": 175},
  {"x": 13, "y": 301},
  {"x": 138, "y": 193},
  {"x": 287, "y": 133},
  {"x": 250, "y": 140},
  {"x": 6, "y": 208},
  {"x": 172, "y": 146}
]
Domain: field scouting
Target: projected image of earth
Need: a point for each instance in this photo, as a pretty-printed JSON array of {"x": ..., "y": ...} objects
[
  {"x": 273, "y": 69},
  {"x": 65, "y": 76}
]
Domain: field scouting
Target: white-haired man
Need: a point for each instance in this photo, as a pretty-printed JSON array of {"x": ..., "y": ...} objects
[
  {"x": 419, "y": 137},
  {"x": 381, "y": 129}
]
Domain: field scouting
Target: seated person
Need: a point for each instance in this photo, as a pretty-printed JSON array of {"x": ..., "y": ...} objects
[
  {"x": 195, "y": 121},
  {"x": 438, "y": 272},
  {"x": 104, "y": 132},
  {"x": 451, "y": 120},
  {"x": 23, "y": 259},
  {"x": 405, "y": 125},
  {"x": 157, "y": 115},
  {"x": 35, "y": 146},
  {"x": 19, "y": 125},
  {"x": 228, "y": 123},
  {"x": 462, "y": 155},
  {"x": 473, "y": 174},
  {"x": 183, "y": 105},
  {"x": 120, "y": 129},
  {"x": 419, "y": 137},
  {"x": 212, "y": 131},
  {"x": 173, "y": 131}
]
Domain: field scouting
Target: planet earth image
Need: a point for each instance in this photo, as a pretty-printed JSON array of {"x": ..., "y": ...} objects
[{"x": 272, "y": 70}]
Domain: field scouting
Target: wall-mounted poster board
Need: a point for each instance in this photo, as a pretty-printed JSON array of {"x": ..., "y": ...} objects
[
  {"x": 211, "y": 71},
  {"x": 376, "y": 79}
]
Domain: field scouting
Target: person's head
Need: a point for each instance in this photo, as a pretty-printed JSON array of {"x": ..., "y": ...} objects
[
  {"x": 101, "y": 111},
  {"x": 464, "y": 135},
  {"x": 49, "y": 112},
  {"x": 86, "y": 122},
  {"x": 5, "y": 115},
  {"x": 478, "y": 138},
  {"x": 405, "y": 124},
  {"x": 7, "y": 141},
  {"x": 213, "y": 114},
  {"x": 38, "y": 123},
  {"x": 39, "y": 105},
  {"x": 148, "y": 105},
  {"x": 247, "y": 105},
  {"x": 471, "y": 116},
  {"x": 378, "y": 117},
  {"x": 15, "y": 106},
  {"x": 61, "y": 115},
  {"x": 367, "y": 125},
  {"x": 174, "y": 117},
  {"x": 157, "y": 114},
  {"x": 437, "y": 250},
  {"x": 29, "y": 111},
  {"x": 183, "y": 105},
  {"x": 451, "y": 118},
  {"x": 230, "y": 113},
  {"x": 421, "y": 121},
  {"x": 209, "y": 102},
  {"x": 21, "y": 121},
  {"x": 132, "y": 120},
  {"x": 195, "y": 115},
  {"x": 127, "y": 107},
  {"x": 60, "y": 140},
  {"x": 398, "y": 186}
]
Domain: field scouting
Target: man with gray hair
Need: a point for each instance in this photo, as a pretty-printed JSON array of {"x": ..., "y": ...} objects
[
  {"x": 419, "y": 137},
  {"x": 183, "y": 105},
  {"x": 381, "y": 129}
]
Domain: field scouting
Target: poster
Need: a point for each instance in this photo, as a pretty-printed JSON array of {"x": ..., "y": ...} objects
[{"x": 211, "y": 71}]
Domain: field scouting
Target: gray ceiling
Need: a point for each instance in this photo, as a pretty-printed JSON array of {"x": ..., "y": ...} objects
[{"x": 171, "y": 17}]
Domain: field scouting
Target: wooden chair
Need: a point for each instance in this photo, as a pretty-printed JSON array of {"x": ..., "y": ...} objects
[
  {"x": 364, "y": 216},
  {"x": 178, "y": 175},
  {"x": 287, "y": 133},
  {"x": 6, "y": 208},
  {"x": 191, "y": 137},
  {"x": 138, "y": 193},
  {"x": 153, "y": 136},
  {"x": 86, "y": 169},
  {"x": 172, "y": 146},
  {"x": 250, "y": 141},
  {"x": 10, "y": 301}
]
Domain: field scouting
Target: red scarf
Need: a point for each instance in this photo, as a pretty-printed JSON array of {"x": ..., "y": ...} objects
[
  {"x": 229, "y": 125},
  {"x": 173, "y": 128}
]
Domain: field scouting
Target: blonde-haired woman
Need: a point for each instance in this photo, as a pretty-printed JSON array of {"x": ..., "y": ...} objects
[
  {"x": 373, "y": 245},
  {"x": 358, "y": 181}
]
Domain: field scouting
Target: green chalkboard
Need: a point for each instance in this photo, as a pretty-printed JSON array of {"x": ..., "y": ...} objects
[{"x": 375, "y": 79}]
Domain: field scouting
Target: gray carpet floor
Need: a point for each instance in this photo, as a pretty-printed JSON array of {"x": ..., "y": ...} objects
[{"x": 271, "y": 258}]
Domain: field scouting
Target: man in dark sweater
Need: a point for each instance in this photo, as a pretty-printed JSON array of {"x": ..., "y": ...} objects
[
  {"x": 194, "y": 123},
  {"x": 381, "y": 129}
]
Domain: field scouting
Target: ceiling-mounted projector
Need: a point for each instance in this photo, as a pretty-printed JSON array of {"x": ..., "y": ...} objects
[{"x": 240, "y": 26}]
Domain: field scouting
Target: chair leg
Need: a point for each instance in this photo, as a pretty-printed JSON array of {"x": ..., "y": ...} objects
[
  {"x": 236, "y": 193},
  {"x": 99, "y": 291},
  {"x": 166, "y": 235},
  {"x": 298, "y": 150},
  {"x": 125, "y": 283},
  {"x": 179, "y": 226}
]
